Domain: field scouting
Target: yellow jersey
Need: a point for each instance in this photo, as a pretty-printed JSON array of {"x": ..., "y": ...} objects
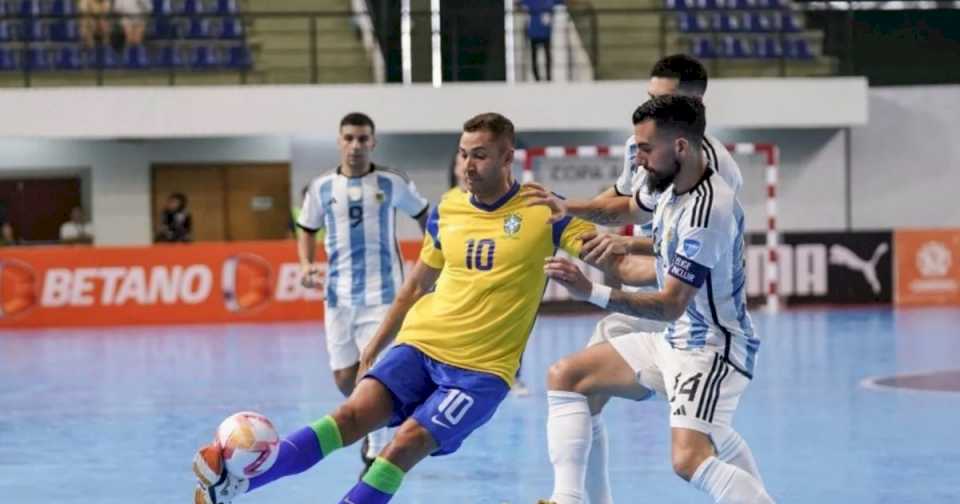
[{"x": 486, "y": 298}]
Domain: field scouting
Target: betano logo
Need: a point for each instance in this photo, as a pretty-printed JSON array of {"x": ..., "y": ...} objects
[
  {"x": 245, "y": 282},
  {"x": 18, "y": 288}
]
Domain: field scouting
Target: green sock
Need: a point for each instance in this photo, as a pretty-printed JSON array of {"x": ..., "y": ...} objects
[
  {"x": 384, "y": 476},
  {"x": 329, "y": 435}
]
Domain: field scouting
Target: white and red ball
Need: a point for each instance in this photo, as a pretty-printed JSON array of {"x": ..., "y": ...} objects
[{"x": 249, "y": 442}]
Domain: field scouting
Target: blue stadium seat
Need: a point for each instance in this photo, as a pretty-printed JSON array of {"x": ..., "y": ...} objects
[
  {"x": 767, "y": 47},
  {"x": 6, "y": 32},
  {"x": 161, "y": 8},
  {"x": 681, "y": 4},
  {"x": 29, "y": 8},
  {"x": 136, "y": 58},
  {"x": 199, "y": 28},
  {"x": 798, "y": 48},
  {"x": 101, "y": 57},
  {"x": 68, "y": 58},
  {"x": 32, "y": 30},
  {"x": 226, "y": 7},
  {"x": 64, "y": 31},
  {"x": 191, "y": 7},
  {"x": 164, "y": 28},
  {"x": 703, "y": 48},
  {"x": 4, "y": 10},
  {"x": 735, "y": 47},
  {"x": 231, "y": 28},
  {"x": 687, "y": 22},
  {"x": 38, "y": 59},
  {"x": 728, "y": 22},
  {"x": 61, "y": 8},
  {"x": 761, "y": 22},
  {"x": 170, "y": 57},
  {"x": 203, "y": 57},
  {"x": 8, "y": 60},
  {"x": 790, "y": 22},
  {"x": 239, "y": 57}
]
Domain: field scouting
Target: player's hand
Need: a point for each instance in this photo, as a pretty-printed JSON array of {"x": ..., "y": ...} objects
[
  {"x": 568, "y": 275},
  {"x": 536, "y": 194},
  {"x": 604, "y": 249},
  {"x": 311, "y": 277}
]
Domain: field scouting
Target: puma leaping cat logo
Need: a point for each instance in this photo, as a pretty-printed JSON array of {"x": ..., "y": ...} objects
[{"x": 842, "y": 256}]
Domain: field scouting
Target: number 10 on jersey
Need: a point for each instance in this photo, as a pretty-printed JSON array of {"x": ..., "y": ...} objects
[{"x": 480, "y": 254}]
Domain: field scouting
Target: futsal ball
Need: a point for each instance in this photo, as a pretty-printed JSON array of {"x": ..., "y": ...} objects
[{"x": 249, "y": 442}]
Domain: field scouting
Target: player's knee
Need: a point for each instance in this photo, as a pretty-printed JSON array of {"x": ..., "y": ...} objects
[
  {"x": 563, "y": 375},
  {"x": 347, "y": 418},
  {"x": 686, "y": 460},
  {"x": 410, "y": 444}
]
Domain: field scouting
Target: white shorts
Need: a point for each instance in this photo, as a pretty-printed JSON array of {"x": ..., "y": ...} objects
[
  {"x": 618, "y": 324},
  {"x": 702, "y": 390},
  {"x": 348, "y": 330}
]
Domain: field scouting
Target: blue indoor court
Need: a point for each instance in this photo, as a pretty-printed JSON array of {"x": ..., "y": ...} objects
[{"x": 113, "y": 415}]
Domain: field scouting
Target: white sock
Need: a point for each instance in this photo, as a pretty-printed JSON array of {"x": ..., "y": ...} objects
[
  {"x": 377, "y": 441},
  {"x": 598, "y": 478},
  {"x": 569, "y": 434},
  {"x": 731, "y": 448},
  {"x": 728, "y": 484}
]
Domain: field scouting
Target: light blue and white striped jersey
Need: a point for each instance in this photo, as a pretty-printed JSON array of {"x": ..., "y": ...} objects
[
  {"x": 364, "y": 266},
  {"x": 698, "y": 239}
]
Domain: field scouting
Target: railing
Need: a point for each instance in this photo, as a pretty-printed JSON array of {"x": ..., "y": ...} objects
[{"x": 330, "y": 47}]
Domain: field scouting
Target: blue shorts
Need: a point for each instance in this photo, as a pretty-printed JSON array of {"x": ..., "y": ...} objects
[{"x": 448, "y": 401}]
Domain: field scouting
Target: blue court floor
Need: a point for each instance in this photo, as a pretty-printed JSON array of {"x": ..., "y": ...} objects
[{"x": 114, "y": 415}]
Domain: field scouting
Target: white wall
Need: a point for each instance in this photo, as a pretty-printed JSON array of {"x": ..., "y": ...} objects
[{"x": 906, "y": 160}]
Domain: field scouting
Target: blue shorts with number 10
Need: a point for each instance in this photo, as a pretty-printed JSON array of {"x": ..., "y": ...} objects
[{"x": 448, "y": 401}]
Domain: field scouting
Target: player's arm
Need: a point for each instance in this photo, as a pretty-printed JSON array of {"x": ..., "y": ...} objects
[
  {"x": 666, "y": 304},
  {"x": 411, "y": 202},
  {"x": 638, "y": 271},
  {"x": 420, "y": 282},
  {"x": 310, "y": 222},
  {"x": 607, "y": 208}
]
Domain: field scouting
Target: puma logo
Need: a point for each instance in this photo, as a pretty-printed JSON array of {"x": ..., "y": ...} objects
[{"x": 842, "y": 256}]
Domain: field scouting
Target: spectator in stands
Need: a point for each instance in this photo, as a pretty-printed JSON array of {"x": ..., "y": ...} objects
[
  {"x": 7, "y": 236},
  {"x": 77, "y": 229},
  {"x": 176, "y": 224},
  {"x": 539, "y": 28},
  {"x": 94, "y": 22},
  {"x": 134, "y": 15}
]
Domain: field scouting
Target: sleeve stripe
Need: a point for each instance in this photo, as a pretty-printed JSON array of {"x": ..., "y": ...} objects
[
  {"x": 433, "y": 226},
  {"x": 307, "y": 229},
  {"x": 558, "y": 228},
  {"x": 709, "y": 206},
  {"x": 700, "y": 216},
  {"x": 421, "y": 212},
  {"x": 617, "y": 190},
  {"x": 636, "y": 197}
]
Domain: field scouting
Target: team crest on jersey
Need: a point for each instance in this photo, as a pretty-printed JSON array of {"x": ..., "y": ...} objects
[{"x": 511, "y": 224}]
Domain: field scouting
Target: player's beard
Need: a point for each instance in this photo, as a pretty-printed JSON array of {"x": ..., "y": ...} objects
[{"x": 657, "y": 183}]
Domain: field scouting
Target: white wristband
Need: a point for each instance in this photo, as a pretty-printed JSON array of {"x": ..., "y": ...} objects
[{"x": 600, "y": 294}]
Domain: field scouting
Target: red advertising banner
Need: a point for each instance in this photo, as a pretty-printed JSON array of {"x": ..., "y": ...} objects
[{"x": 162, "y": 284}]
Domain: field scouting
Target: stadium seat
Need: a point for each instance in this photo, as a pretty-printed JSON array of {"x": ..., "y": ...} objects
[
  {"x": 8, "y": 60},
  {"x": 136, "y": 58},
  {"x": 68, "y": 58},
  {"x": 735, "y": 47},
  {"x": 760, "y": 22},
  {"x": 64, "y": 31},
  {"x": 790, "y": 22},
  {"x": 170, "y": 57},
  {"x": 681, "y": 4},
  {"x": 231, "y": 28},
  {"x": 161, "y": 8},
  {"x": 767, "y": 47},
  {"x": 203, "y": 57},
  {"x": 101, "y": 57},
  {"x": 4, "y": 10},
  {"x": 191, "y": 7},
  {"x": 61, "y": 8},
  {"x": 798, "y": 48},
  {"x": 199, "y": 28},
  {"x": 164, "y": 28},
  {"x": 6, "y": 32},
  {"x": 28, "y": 8},
  {"x": 239, "y": 57},
  {"x": 226, "y": 7},
  {"x": 32, "y": 30},
  {"x": 703, "y": 48},
  {"x": 37, "y": 59},
  {"x": 728, "y": 22}
]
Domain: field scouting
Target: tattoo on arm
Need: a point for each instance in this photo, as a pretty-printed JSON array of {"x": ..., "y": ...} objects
[
  {"x": 601, "y": 216},
  {"x": 638, "y": 304}
]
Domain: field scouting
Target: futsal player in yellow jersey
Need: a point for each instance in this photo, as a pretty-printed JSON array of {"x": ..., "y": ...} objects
[{"x": 460, "y": 321}]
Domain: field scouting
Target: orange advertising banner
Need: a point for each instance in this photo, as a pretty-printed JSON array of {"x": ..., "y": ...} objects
[
  {"x": 928, "y": 267},
  {"x": 162, "y": 284}
]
